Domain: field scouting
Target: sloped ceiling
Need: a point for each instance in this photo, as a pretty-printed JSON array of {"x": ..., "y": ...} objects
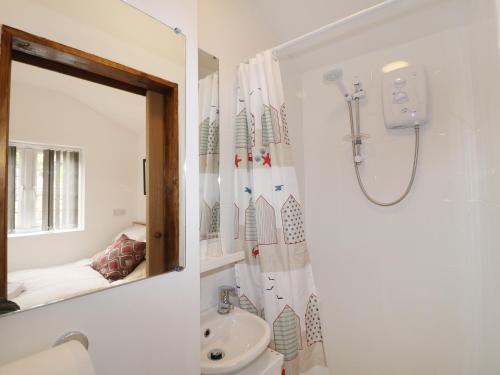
[{"x": 123, "y": 108}]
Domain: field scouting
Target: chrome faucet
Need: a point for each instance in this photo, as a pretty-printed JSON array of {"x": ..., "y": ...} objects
[{"x": 225, "y": 294}]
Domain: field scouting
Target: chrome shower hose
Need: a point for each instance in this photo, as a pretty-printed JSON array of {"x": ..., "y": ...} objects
[{"x": 355, "y": 145}]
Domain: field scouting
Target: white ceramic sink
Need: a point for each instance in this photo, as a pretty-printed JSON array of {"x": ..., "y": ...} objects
[{"x": 241, "y": 336}]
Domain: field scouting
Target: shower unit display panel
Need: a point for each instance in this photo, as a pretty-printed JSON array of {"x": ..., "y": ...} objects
[{"x": 404, "y": 93}]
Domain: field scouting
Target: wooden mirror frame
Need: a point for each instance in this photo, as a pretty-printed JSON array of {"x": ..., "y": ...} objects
[{"x": 162, "y": 136}]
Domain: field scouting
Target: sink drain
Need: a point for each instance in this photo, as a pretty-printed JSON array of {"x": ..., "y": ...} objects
[{"x": 216, "y": 354}]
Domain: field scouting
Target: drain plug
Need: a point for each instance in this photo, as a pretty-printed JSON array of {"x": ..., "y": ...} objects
[{"x": 216, "y": 354}]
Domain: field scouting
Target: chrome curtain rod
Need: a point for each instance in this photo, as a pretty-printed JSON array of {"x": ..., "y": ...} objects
[{"x": 333, "y": 25}]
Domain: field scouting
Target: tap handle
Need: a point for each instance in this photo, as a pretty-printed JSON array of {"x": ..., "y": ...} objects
[
  {"x": 227, "y": 290},
  {"x": 229, "y": 296}
]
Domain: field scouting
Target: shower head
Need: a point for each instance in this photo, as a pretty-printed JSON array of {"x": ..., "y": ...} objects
[{"x": 335, "y": 75}]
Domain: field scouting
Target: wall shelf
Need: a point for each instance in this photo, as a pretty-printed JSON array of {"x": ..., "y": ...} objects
[{"x": 213, "y": 263}]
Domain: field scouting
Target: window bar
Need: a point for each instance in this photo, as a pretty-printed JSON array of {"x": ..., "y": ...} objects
[
  {"x": 12, "y": 189},
  {"x": 76, "y": 190},
  {"x": 48, "y": 190}
]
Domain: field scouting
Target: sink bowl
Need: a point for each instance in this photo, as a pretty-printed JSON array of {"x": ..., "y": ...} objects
[{"x": 232, "y": 341}]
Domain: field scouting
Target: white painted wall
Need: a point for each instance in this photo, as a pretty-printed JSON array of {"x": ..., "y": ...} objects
[
  {"x": 111, "y": 156},
  {"x": 485, "y": 79},
  {"x": 232, "y": 30},
  {"x": 141, "y": 198},
  {"x": 410, "y": 289},
  {"x": 159, "y": 317}
]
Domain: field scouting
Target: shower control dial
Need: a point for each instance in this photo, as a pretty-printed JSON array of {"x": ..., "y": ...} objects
[
  {"x": 400, "y": 97},
  {"x": 404, "y": 94}
]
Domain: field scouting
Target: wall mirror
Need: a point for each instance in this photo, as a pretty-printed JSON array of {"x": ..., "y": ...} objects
[
  {"x": 91, "y": 149},
  {"x": 208, "y": 89}
]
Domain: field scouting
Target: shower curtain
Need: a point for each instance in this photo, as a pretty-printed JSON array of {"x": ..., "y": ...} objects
[
  {"x": 275, "y": 281},
  {"x": 209, "y": 156}
]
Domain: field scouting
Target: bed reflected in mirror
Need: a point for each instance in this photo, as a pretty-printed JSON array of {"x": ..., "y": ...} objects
[{"x": 76, "y": 203}]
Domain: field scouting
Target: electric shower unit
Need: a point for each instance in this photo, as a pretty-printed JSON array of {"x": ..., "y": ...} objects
[{"x": 404, "y": 97}]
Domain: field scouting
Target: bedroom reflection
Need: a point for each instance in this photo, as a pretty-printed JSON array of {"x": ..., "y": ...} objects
[{"x": 76, "y": 194}]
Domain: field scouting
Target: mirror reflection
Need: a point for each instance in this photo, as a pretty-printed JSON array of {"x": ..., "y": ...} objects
[
  {"x": 94, "y": 138},
  {"x": 208, "y": 87},
  {"x": 76, "y": 203}
]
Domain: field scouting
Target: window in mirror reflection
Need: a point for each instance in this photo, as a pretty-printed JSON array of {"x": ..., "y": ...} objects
[{"x": 44, "y": 188}]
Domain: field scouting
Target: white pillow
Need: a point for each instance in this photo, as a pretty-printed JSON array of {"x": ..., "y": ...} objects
[
  {"x": 138, "y": 273},
  {"x": 136, "y": 232}
]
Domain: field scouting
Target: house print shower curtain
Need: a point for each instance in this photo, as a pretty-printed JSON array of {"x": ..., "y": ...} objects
[
  {"x": 208, "y": 89},
  {"x": 275, "y": 281}
]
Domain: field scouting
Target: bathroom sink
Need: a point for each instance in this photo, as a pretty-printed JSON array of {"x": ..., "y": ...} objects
[{"x": 232, "y": 341}]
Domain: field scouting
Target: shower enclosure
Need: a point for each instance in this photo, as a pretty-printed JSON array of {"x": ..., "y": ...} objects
[{"x": 412, "y": 288}]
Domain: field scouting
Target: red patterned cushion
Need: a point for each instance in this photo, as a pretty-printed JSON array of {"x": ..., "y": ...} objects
[{"x": 120, "y": 258}]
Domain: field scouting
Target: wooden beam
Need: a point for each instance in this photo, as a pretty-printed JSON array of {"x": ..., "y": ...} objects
[
  {"x": 5, "y": 76},
  {"x": 75, "y": 72},
  {"x": 155, "y": 199},
  {"x": 171, "y": 179},
  {"x": 38, "y": 51},
  {"x": 163, "y": 182}
]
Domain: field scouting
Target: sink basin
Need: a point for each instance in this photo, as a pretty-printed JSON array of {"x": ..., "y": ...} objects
[{"x": 232, "y": 341}]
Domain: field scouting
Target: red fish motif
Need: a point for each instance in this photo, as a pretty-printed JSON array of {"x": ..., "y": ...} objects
[{"x": 255, "y": 251}]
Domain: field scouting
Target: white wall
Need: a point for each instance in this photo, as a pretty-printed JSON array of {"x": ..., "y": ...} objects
[
  {"x": 485, "y": 79},
  {"x": 231, "y": 30},
  {"x": 409, "y": 289},
  {"x": 159, "y": 317},
  {"x": 110, "y": 178},
  {"x": 141, "y": 198}
]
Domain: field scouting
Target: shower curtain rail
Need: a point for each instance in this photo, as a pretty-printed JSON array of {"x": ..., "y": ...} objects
[{"x": 335, "y": 24}]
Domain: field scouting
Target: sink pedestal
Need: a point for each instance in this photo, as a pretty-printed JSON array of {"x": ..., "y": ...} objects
[{"x": 268, "y": 363}]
